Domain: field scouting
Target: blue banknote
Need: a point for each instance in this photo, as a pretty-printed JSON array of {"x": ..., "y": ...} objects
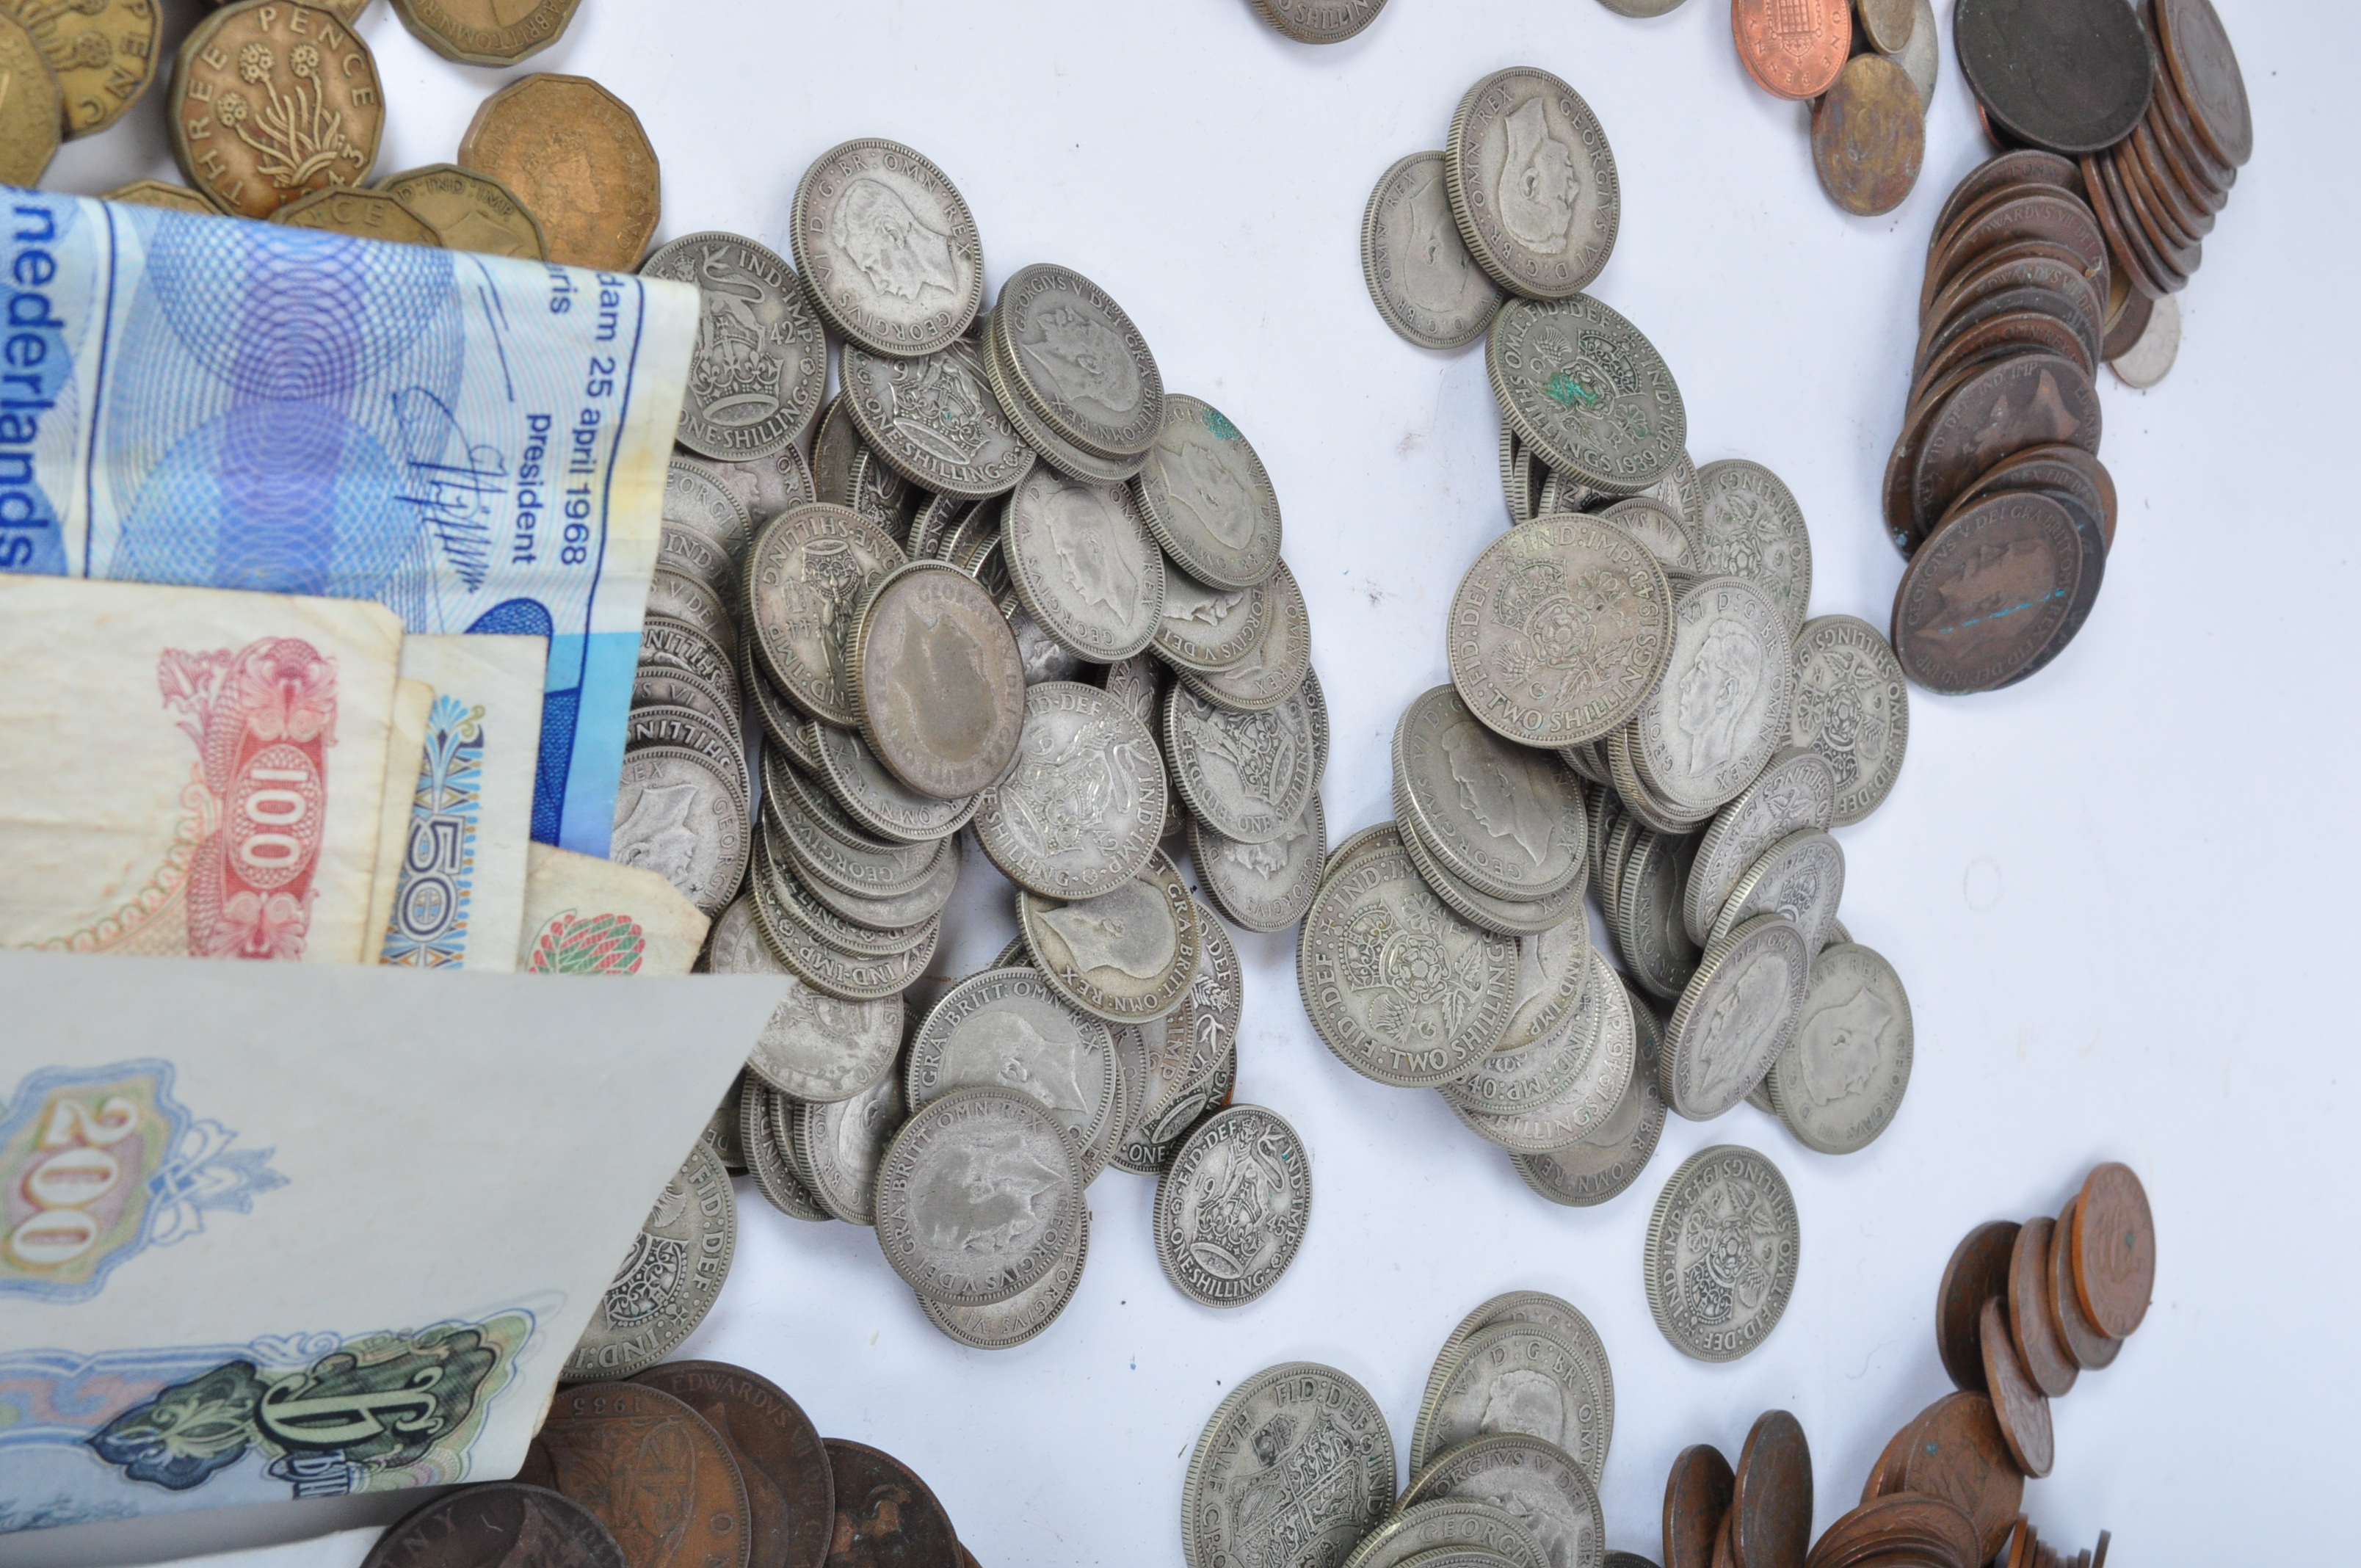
[{"x": 477, "y": 444}]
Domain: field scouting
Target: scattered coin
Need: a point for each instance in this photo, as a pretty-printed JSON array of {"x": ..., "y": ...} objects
[
  {"x": 1698, "y": 1495},
  {"x": 2113, "y": 1250},
  {"x": 2091, "y": 1348},
  {"x": 1771, "y": 1504},
  {"x": 1986, "y": 598},
  {"x": 1839, "y": 1082},
  {"x": 32, "y": 111},
  {"x": 578, "y": 157},
  {"x": 1588, "y": 391},
  {"x": 233, "y": 71},
  {"x": 1532, "y": 1478},
  {"x": 835, "y": 1149},
  {"x": 1296, "y": 1461},
  {"x": 1523, "y": 1377},
  {"x": 978, "y": 1197},
  {"x": 2150, "y": 360},
  {"x": 469, "y": 211},
  {"x": 1533, "y": 184},
  {"x": 885, "y": 1516},
  {"x": 936, "y": 677},
  {"x": 363, "y": 215},
  {"x": 1079, "y": 363},
  {"x": 1126, "y": 956},
  {"x": 1434, "y": 1533},
  {"x": 162, "y": 193},
  {"x": 889, "y": 247},
  {"x": 668, "y": 1279},
  {"x": 1736, "y": 1016},
  {"x": 1080, "y": 560},
  {"x": 1207, "y": 499},
  {"x": 485, "y": 32},
  {"x": 2071, "y": 76},
  {"x": 2018, "y": 1402},
  {"x": 1957, "y": 1455},
  {"x": 1268, "y": 886},
  {"x": 1232, "y": 1206},
  {"x": 1023, "y": 1317},
  {"x": 1420, "y": 276},
  {"x": 1247, "y": 777},
  {"x": 1611, "y": 1157},
  {"x": 1721, "y": 1253}
]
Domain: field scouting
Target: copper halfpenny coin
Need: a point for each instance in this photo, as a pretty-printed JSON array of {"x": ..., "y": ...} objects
[
  {"x": 2021, "y": 1407},
  {"x": 1697, "y": 1497},
  {"x": 886, "y": 1516},
  {"x": 1977, "y": 1271},
  {"x": 788, "y": 1481},
  {"x": 2115, "y": 1250}
]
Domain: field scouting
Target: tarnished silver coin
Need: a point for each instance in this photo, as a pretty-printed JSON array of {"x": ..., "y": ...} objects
[
  {"x": 1607, "y": 1162},
  {"x": 1320, "y": 21},
  {"x": 722, "y": 1132},
  {"x": 934, "y": 422},
  {"x": 1723, "y": 1247},
  {"x": 782, "y": 896},
  {"x": 1554, "y": 968},
  {"x": 1506, "y": 819},
  {"x": 1043, "y": 657},
  {"x": 1233, "y": 1205},
  {"x": 1542, "y": 1485},
  {"x": 848, "y": 976},
  {"x": 760, "y": 369},
  {"x": 1209, "y": 629},
  {"x": 1583, "y": 1106},
  {"x": 1508, "y": 916},
  {"x": 1852, "y": 706},
  {"x": 1656, "y": 525},
  {"x": 1516, "y": 1377},
  {"x": 687, "y": 600},
  {"x": 1176, "y": 1064},
  {"x": 1081, "y": 808},
  {"x": 1139, "y": 684},
  {"x": 1725, "y": 703},
  {"x": 1007, "y": 1027},
  {"x": 1279, "y": 663},
  {"x": 1399, "y": 988},
  {"x": 698, "y": 498},
  {"x": 680, "y": 646},
  {"x": 887, "y": 249},
  {"x": 1800, "y": 877},
  {"x": 666, "y": 685},
  {"x": 1055, "y": 450},
  {"x": 689, "y": 729},
  {"x": 1560, "y": 631},
  {"x": 877, "y": 800},
  {"x": 1268, "y": 886},
  {"x": 827, "y": 848},
  {"x": 685, "y": 552},
  {"x": 979, "y": 1197},
  {"x": 1080, "y": 560},
  {"x": 1433, "y": 1534},
  {"x": 1752, "y": 528},
  {"x": 1681, "y": 491},
  {"x": 1079, "y": 362},
  {"x": 1518, "y": 476},
  {"x": 766, "y": 487},
  {"x": 1922, "y": 58},
  {"x": 1126, "y": 956},
  {"x": 1553, "y": 1032},
  {"x": 814, "y": 1046},
  {"x": 835, "y": 445},
  {"x": 1420, "y": 276},
  {"x": 1587, "y": 392},
  {"x": 877, "y": 491},
  {"x": 762, "y": 1132},
  {"x": 1005, "y": 1325},
  {"x": 1839, "y": 1082},
  {"x": 668, "y": 1279},
  {"x": 1532, "y": 183},
  {"x": 938, "y": 521},
  {"x": 1736, "y": 1016},
  {"x": 938, "y": 680},
  {"x": 1647, "y": 920},
  {"x": 1295, "y": 1467},
  {"x": 683, "y": 816},
  {"x": 1564, "y": 1318},
  {"x": 1797, "y": 790},
  {"x": 1244, "y": 775},
  {"x": 806, "y": 574},
  {"x": 899, "y": 911},
  {"x": 839, "y": 1144},
  {"x": 1207, "y": 499}
]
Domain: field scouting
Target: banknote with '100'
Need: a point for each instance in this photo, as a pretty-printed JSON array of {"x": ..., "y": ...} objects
[{"x": 477, "y": 444}]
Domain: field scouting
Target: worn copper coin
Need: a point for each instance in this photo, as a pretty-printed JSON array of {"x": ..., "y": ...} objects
[
  {"x": 1793, "y": 48},
  {"x": 2028, "y": 400},
  {"x": 2089, "y": 1348},
  {"x": 577, "y": 156},
  {"x": 654, "y": 1471},
  {"x": 2021, "y": 1407},
  {"x": 1869, "y": 136},
  {"x": 778, "y": 1452},
  {"x": 236, "y": 130},
  {"x": 2204, "y": 69},
  {"x": 1901, "y": 1529},
  {"x": 1697, "y": 1497},
  {"x": 1978, "y": 1272},
  {"x": 2113, "y": 1250},
  {"x": 2069, "y": 75},
  {"x": 1959, "y": 1456},
  {"x": 1886, "y": 1475},
  {"x": 1988, "y": 593},
  {"x": 2010, "y": 216},
  {"x": 2021, "y": 166},
  {"x": 885, "y": 1516},
  {"x": 2030, "y": 1327},
  {"x": 1771, "y": 1506},
  {"x": 498, "y": 1525},
  {"x": 485, "y": 32}
]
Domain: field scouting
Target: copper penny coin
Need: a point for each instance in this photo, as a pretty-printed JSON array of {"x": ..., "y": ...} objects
[
  {"x": 1989, "y": 597},
  {"x": 1697, "y": 1498},
  {"x": 2021, "y": 1407},
  {"x": 2179, "y": 123},
  {"x": 1793, "y": 48},
  {"x": 2028, "y": 400},
  {"x": 1869, "y": 136},
  {"x": 1722, "y": 1555},
  {"x": 1905, "y": 1529},
  {"x": 2070, "y": 75},
  {"x": 2182, "y": 252},
  {"x": 2067, "y": 474},
  {"x": 886, "y": 1516},
  {"x": 2124, "y": 331},
  {"x": 2196, "y": 218},
  {"x": 655, "y": 1475},
  {"x": 2018, "y": 212},
  {"x": 1886, "y": 1475},
  {"x": 499, "y": 1525},
  {"x": 2025, "y": 165},
  {"x": 788, "y": 1483},
  {"x": 2139, "y": 181},
  {"x": 2204, "y": 67},
  {"x": 2036, "y": 1338},
  {"x": 2016, "y": 320},
  {"x": 1771, "y": 1503},
  {"x": 2026, "y": 264},
  {"x": 2113, "y": 1250},
  {"x": 1960, "y": 1456},
  {"x": 1978, "y": 1272},
  {"x": 2091, "y": 1349},
  {"x": 2146, "y": 264}
]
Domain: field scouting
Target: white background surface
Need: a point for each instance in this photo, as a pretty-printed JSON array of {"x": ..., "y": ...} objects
[{"x": 2120, "y": 931}]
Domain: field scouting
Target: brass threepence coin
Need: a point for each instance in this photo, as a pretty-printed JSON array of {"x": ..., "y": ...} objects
[
  {"x": 31, "y": 105},
  {"x": 1532, "y": 183},
  {"x": 1420, "y": 276},
  {"x": 653, "y": 1473},
  {"x": 778, "y": 1452},
  {"x": 272, "y": 103},
  {"x": 470, "y": 212},
  {"x": 577, "y": 156},
  {"x": 1722, "y": 1251},
  {"x": 2069, "y": 75},
  {"x": 103, "y": 51},
  {"x": 1869, "y": 136},
  {"x": 487, "y": 32},
  {"x": 161, "y": 193},
  {"x": 1315, "y": 1435},
  {"x": 1793, "y": 49},
  {"x": 363, "y": 215},
  {"x": 484, "y": 1526}
]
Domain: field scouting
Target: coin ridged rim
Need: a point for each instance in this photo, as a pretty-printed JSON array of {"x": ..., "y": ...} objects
[
  {"x": 1632, "y": 1156},
  {"x": 938, "y": 478},
  {"x": 846, "y": 788},
  {"x": 1172, "y": 646},
  {"x": 1408, "y": 804},
  {"x": 804, "y": 410},
  {"x": 949, "y": 1107},
  {"x": 1651, "y": 757},
  {"x": 1052, "y": 617},
  {"x": 855, "y": 977},
  {"x": 827, "y": 1186},
  {"x": 1171, "y": 987},
  {"x": 1597, "y": 1088},
  {"x": 1410, "y": 1517},
  {"x": 898, "y": 913},
  {"x": 1783, "y": 1283},
  {"x": 1583, "y": 1335},
  {"x": 1038, "y": 1311},
  {"x": 1888, "y": 1104},
  {"x": 1174, "y": 1179},
  {"x": 1290, "y": 616},
  {"x": 1637, "y": 347},
  {"x": 775, "y": 1176},
  {"x": 792, "y": 898},
  {"x": 1557, "y": 1057},
  {"x": 796, "y": 684},
  {"x": 1721, "y": 868},
  {"x": 963, "y": 227},
  {"x": 1453, "y": 1360},
  {"x": 1369, "y": 224},
  {"x": 1205, "y": 850},
  {"x": 805, "y": 812},
  {"x": 1302, "y": 782},
  {"x": 1823, "y": 630},
  {"x": 1047, "y": 443},
  {"x": 1673, "y": 1066},
  {"x": 1457, "y": 153},
  {"x": 1503, "y": 916},
  {"x": 1768, "y": 861},
  {"x": 1650, "y": 965},
  {"x": 1262, "y": 558},
  {"x": 856, "y": 666},
  {"x": 1192, "y": 1485},
  {"x": 666, "y": 1333},
  {"x": 1118, "y": 444}
]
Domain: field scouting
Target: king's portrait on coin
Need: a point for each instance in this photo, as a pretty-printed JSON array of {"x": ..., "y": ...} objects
[
  {"x": 1539, "y": 185},
  {"x": 1718, "y": 691},
  {"x": 897, "y": 251}
]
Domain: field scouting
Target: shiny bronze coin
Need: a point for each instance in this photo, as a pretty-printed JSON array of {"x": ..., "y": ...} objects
[
  {"x": 1886, "y": 1475},
  {"x": 1987, "y": 598},
  {"x": 2006, "y": 217},
  {"x": 2091, "y": 1349},
  {"x": 498, "y": 1525},
  {"x": 1961, "y": 1457},
  {"x": 2022, "y": 1409},
  {"x": 886, "y": 1516},
  {"x": 1697, "y": 1498},
  {"x": 2068, "y": 475},
  {"x": 1978, "y": 1272},
  {"x": 2113, "y": 1250},
  {"x": 1771, "y": 1501},
  {"x": 1905, "y": 1530},
  {"x": 2123, "y": 331},
  {"x": 2028, "y": 400},
  {"x": 2204, "y": 69},
  {"x": 2039, "y": 1346},
  {"x": 788, "y": 1483},
  {"x": 655, "y": 1475},
  {"x": 579, "y": 158},
  {"x": 1793, "y": 48},
  {"x": 1869, "y": 136},
  {"x": 2069, "y": 75},
  {"x": 2017, "y": 321},
  {"x": 2024, "y": 166}
]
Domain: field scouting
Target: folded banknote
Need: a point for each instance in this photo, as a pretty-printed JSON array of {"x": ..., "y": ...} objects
[{"x": 477, "y": 443}]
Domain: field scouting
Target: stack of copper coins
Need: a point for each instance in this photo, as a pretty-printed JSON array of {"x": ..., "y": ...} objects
[{"x": 1994, "y": 488}]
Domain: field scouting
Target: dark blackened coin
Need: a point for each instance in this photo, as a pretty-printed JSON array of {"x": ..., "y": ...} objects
[
  {"x": 886, "y": 1516},
  {"x": 2070, "y": 75},
  {"x": 502, "y": 1525}
]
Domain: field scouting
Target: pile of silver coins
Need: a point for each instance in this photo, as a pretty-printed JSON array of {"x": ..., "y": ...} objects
[
  {"x": 1016, "y": 589},
  {"x": 1638, "y": 707},
  {"x": 1505, "y": 1461}
]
